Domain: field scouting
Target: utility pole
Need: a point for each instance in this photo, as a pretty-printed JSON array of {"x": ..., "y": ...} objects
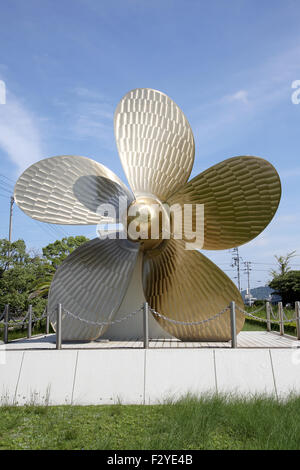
[
  {"x": 247, "y": 265},
  {"x": 236, "y": 260},
  {"x": 12, "y": 200}
]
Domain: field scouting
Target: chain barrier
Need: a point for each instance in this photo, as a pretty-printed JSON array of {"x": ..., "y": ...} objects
[
  {"x": 289, "y": 320},
  {"x": 277, "y": 316},
  {"x": 258, "y": 310},
  {"x": 13, "y": 322},
  {"x": 283, "y": 312},
  {"x": 44, "y": 315},
  {"x": 160, "y": 315},
  {"x": 15, "y": 316},
  {"x": 272, "y": 312},
  {"x": 103, "y": 323},
  {"x": 129, "y": 315},
  {"x": 178, "y": 322}
]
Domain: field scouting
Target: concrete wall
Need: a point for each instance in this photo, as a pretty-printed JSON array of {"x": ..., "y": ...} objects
[{"x": 86, "y": 377}]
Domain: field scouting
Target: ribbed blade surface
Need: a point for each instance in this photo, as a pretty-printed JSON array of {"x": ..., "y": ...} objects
[
  {"x": 155, "y": 142},
  {"x": 240, "y": 197},
  {"x": 91, "y": 284},
  {"x": 68, "y": 190},
  {"x": 186, "y": 286}
]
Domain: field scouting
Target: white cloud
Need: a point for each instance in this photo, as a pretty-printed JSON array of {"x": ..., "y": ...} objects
[
  {"x": 19, "y": 134},
  {"x": 241, "y": 95},
  {"x": 264, "y": 88},
  {"x": 90, "y": 115}
]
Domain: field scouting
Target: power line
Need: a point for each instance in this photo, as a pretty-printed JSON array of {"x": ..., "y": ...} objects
[
  {"x": 6, "y": 191},
  {"x": 48, "y": 228},
  {"x": 60, "y": 231},
  {"x": 4, "y": 188},
  {"x": 41, "y": 225},
  {"x": 7, "y": 178},
  {"x": 4, "y": 195}
]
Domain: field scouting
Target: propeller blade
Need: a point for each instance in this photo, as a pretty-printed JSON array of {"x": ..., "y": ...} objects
[
  {"x": 68, "y": 190},
  {"x": 240, "y": 197},
  {"x": 155, "y": 142},
  {"x": 186, "y": 286},
  {"x": 91, "y": 284}
]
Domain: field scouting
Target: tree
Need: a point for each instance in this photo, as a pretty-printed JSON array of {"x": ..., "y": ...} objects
[
  {"x": 41, "y": 289},
  {"x": 287, "y": 286},
  {"x": 283, "y": 264},
  {"x": 25, "y": 277},
  {"x": 12, "y": 254},
  {"x": 56, "y": 252},
  {"x": 18, "y": 274}
]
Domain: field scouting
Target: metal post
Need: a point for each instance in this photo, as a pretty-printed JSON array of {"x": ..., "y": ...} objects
[
  {"x": 47, "y": 322},
  {"x": 268, "y": 310},
  {"x": 6, "y": 318},
  {"x": 29, "y": 328},
  {"x": 58, "y": 327},
  {"x": 297, "y": 315},
  {"x": 280, "y": 316},
  {"x": 146, "y": 325},
  {"x": 233, "y": 325}
]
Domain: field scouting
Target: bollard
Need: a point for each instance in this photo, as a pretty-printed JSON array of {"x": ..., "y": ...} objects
[
  {"x": 297, "y": 315},
  {"x": 280, "y": 316},
  {"x": 6, "y": 319},
  {"x": 47, "y": 322},
  {"x": 233, "y": 325},
  {"x": 58, "y": 326},
  {"x": 146, "y": 325},
  {"x": 268, "y": 310},
  {"x": 29, "y": 327}
]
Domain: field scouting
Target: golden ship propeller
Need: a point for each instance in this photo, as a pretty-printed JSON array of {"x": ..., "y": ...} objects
[{"x": 240, "y": 196}]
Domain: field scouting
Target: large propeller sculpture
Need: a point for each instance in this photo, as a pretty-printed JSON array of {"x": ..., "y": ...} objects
[{"x": 156, "y": 146}]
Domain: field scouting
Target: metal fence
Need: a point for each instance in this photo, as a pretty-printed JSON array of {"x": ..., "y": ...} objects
[{"x": 9, "y": 321}]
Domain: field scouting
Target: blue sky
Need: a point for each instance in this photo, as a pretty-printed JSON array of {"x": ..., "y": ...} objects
[{"x": 228, "y": 64}]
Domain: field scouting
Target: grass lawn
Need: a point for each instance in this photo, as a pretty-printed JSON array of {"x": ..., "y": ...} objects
[
  {"x": 251, "y": 326},
  {"x": 206, "y": 423},
  {"x": 19, "y": 332}
]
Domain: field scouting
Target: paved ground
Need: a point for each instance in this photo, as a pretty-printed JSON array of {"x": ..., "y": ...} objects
[{"x": 246, "y": 339}]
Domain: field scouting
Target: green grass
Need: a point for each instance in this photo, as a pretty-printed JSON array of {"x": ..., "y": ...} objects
[
  {"x": 206, "y": 423},
  {"x": 19, "y": 332},
  {"x": 250, "y": 325}
]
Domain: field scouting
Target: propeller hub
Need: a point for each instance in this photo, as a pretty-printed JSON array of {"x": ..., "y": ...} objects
[{"x": 147, "y": 220}]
